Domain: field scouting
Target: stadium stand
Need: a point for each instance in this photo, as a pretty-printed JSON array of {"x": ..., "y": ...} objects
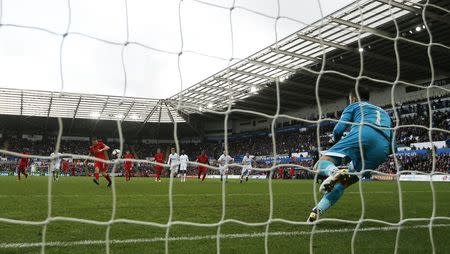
[{"x": 288, "y": 141}]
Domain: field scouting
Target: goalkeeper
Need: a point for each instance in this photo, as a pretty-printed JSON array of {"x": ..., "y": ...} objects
[{"x": 367, "y": 145}]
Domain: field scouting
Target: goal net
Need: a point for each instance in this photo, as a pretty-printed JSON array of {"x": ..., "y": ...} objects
[{"x": 273, "y": 77}]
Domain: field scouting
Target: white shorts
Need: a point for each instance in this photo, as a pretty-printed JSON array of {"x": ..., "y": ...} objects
[
  {"x": 246, "y": 170},
  {"x": 183, "y": 167},
  {"x": 54, "y": 168},
  {"x": 174, "y": 168},
  {"x": 223, "y": 170}
]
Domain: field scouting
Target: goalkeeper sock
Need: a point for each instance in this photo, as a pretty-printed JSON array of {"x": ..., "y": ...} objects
[
  {"x": 330, "y": 198},
  {"x": 325, "y": 167}
]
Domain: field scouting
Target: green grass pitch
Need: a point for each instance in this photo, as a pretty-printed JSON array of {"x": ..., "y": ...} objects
[{"x": 145, "y": 200}]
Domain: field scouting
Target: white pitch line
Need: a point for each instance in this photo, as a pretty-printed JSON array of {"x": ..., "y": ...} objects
[{"x": 207, "y": 237}]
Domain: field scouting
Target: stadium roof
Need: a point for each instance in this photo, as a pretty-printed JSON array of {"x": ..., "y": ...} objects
[
  {"x": 297, "y": 59},
  {"x": 86, "y": 106}
]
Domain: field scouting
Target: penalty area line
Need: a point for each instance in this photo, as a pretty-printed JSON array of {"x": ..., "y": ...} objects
[{"x": 207, "y": 237}]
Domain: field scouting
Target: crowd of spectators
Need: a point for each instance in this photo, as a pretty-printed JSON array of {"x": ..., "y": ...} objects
[
  {"x": 303, "y": 139},
  {"x": 417, "y": 162}
]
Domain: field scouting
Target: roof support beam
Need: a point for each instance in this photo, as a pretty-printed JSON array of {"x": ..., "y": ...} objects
[
  {"x": 21, "y": 110},
  {"x": 150, "y": 114},
  {"x": 346, "y": 67},
  {"x": 215, "y": 87},
  {"x": 222, "y": 89},
  {"x": 288, "y": 53},
  {"x": 101, "y": 113},
  {"x": 186, "y": 106},
  {"x": 159, "y": 125},
  {"x": 324, "y": 42},
  {"x": 21, "y": 102},
  {"x": 193, "y": 100},
  {"x": 75, "y": 114},
  {"x": 50, "y": 105},
  {"x": 181, "y": 113},
  {"x": 273, "y": 66},
  {"x": 148, "y": 117},
  {"x": 128, "y": 110},
  {"x": 232, "y": 81},
  {"x": 378, "y": 56},
  {"x": 207, "y": 95},
  {"x": 429, "y": 14},
  {"x": 251, "y": 74},
  {"x": 362, "y": 27},
  {"x": 48, "y": 112},
  {"x": 168, "y": 112}
]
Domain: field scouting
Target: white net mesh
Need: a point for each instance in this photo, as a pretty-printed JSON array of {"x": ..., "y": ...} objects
[{"x": 281, "y": 60}]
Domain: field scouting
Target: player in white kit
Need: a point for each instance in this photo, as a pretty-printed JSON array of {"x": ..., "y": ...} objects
[
  {"x": 223, "y": 161},
  {"x": 184, "y": 159},
  {"x": 246, "y": 167},
  {"x": 33, "y": 168},
  {"x": 174, "y": 162},
  {"x": 55, "y": 165}
]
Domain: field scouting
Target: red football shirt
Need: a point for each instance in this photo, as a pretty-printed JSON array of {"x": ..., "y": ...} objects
[
  {"x": 65, "y": 165},
  {"x": 95, "y": 150},
  {"x": 203, "y": 159},
  {"x": 129, "y": 156},
  {"x": 24, "y": 161},
  {"x": 159, "y": 157}
]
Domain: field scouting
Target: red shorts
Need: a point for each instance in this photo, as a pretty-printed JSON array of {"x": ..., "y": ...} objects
[
  {"x": 158, "y": 168},
  {"x": 22, "y": 167},
  {"x": 202, "y": 169},
  {"x": 100, "y": 165},
  {"x": 127, "y": 167}
]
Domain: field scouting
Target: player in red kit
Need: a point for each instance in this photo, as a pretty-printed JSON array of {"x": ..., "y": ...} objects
[
  {"x": 159, "y": 157},
  {"x": 281, "y": 172},
  {"x": 24, "y": 162},
  {"x": 202, "y": 158},
  {"x": 72, "y": 167},
  {"x": 99, "y": 150},
  {"x": 291, "y": 172},
  {"x": 65, "y": 166},
  {"x": 128, "y": 165}
]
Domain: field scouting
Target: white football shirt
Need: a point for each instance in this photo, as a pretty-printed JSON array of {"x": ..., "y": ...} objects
[
  {"x": 184, "y": 159},
  {"x": 173, "y": 159},
  {"x": 56, "y": 162},
  {"x": 247, "y": 161},
  {"x": 224, "y": 159}
]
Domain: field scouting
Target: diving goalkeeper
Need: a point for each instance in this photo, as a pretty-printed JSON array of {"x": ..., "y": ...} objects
[{"x": 366, "y": 146}]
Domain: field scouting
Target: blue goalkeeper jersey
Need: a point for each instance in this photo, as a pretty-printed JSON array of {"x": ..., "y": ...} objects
[{"x": 357, "y": 111}]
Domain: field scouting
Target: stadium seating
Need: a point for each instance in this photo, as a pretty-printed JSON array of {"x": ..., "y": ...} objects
[{"x": 288, "y": 140}]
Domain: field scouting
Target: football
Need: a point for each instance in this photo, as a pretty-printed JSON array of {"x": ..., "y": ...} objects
[{"x": 115, "y": 153}]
